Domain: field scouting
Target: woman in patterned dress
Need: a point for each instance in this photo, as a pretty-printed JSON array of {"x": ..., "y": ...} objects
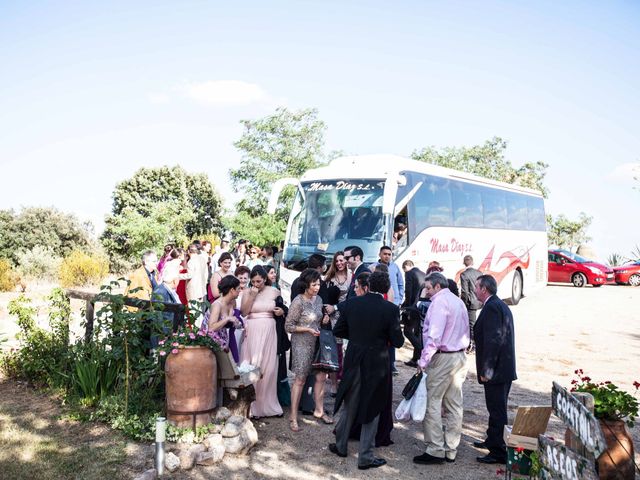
[{"x": 303, "y": 323}]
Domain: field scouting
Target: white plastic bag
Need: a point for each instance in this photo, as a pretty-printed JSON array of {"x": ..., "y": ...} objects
[
  {"x": 419, "y": 401},
  {"x": 403, "y": 412}
]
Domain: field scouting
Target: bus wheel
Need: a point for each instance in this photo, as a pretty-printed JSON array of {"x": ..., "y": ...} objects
[{"x": 516, "y": 288}]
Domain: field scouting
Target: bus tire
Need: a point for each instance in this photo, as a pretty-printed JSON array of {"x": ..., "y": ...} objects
[{"x": 516, "y": 288}]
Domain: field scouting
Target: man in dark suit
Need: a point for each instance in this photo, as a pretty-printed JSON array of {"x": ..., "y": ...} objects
[
  {"x": 495, "y": 364},
  {"x": 353, "y": 256},
  {"x": 468, "y": 294},
  {"x": 370, "y": 323},
  {"x": 413, "y": 283}
]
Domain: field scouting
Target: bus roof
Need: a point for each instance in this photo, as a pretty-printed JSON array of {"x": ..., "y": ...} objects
[{"x": 383, "y": 166}]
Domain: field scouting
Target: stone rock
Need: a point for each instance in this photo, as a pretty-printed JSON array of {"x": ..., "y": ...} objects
[
  {"x": 218, "y": 452},
  {"x": 148, "y": 475},
  {"x": 171, "y": 462},
  {"x": 210, "y": 458},
  {"x": 235, "y": 420},
  {"x": 231, "y": 430},
  {"x": 242, "y": 443},
  {"x": 212, "y": 441},
  {"x": 199, "y": 448},
  {"x": 221, "y": 415},
  {"x": 187, "y": 459}
]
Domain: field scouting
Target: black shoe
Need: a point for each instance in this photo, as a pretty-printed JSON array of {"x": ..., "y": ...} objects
[
  {"x": 426, "y": 459},
  {"x": 491, "y": 460},
  {"x": 449, "y": 460},
  {"x": 377, "y": 462},
  {"x": 334, "y": 449},
  {"x": 411, "y": 363},
  {"x": 480, "y": 445}
]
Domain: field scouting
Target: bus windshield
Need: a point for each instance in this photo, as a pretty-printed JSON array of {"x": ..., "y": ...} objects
[{"x": 334, "y": 214}]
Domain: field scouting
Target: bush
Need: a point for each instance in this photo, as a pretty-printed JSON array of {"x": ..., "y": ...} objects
[
  {"x": 8, "y": 277},
  {"x": 43, "y": 357},
  {"x": 80, "y": 269},
  {"x": 38, "y": 263}
]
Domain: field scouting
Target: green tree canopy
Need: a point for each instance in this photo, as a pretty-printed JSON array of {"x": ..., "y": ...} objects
[
  {"x": 45, "y": 227},
  {"x": 157, "y": 206},
  {"x": 285, "y": 144},
  {"x": 486, "y": 161},
  {"x": 565, "y": 233}
]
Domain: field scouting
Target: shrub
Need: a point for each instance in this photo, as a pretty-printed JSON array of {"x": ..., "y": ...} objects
[
  {"x": 8, "y": 277},
  {"x": 38, "y": 263},
  {"x": 43, "y": 356},
  {"x": 80, "y": 269}
]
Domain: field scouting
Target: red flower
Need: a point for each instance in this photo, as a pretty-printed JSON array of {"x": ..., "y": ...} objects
[
  {"x": 636, "y": 384},
  {"x": 500, "y": 472},
  {"x": 519, "y": 449},
  {"x": 586, "y": 379}
]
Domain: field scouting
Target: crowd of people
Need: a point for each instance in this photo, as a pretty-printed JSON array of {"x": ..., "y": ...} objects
[{"x": 367, "y": 308}]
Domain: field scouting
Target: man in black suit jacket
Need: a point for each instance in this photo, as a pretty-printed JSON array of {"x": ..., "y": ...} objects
[
  {"x": 495, "y": 364},
  {"x": 468, "y": 279},
  {"x": 413, "y": 284},
  {"x": 370, "y": 323},
  {"x": 353, "y": 256}
]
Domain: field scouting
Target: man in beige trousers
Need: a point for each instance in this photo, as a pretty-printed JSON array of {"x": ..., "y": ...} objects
[{"x": 446, "y": 336}]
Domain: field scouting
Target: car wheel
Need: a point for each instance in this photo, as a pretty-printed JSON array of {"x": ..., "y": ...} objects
[
  {"x": 516, "y": 288},
  {"x": 579, "y": 280},
  {"x": 634, "y": 280}
]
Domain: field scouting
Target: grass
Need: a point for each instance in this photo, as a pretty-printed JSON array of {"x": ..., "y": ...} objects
[{"x": 35, "y": 443}]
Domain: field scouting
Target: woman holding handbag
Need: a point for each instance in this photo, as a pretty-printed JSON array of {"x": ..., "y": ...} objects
[{"x": 303, "y": 323}]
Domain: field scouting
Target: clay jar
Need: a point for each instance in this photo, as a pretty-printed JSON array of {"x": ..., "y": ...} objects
[
  {"x": 616, "y": 463},
  {"x": 191, "y": 385}
]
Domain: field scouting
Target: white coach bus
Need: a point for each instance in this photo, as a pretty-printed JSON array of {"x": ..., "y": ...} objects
[{"x": 448, "y": 214}]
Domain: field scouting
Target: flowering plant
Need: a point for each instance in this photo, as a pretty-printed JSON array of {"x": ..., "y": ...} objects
[
  {"x": 186, "y": 336},
  {"x": 610, "y": 403}
]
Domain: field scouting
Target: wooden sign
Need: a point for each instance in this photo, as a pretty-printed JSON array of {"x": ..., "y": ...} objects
[
  {"x": 561, "y": 463},
  {"x": 579, "y": 419}
]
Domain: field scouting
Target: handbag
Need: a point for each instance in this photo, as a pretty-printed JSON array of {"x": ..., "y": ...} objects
[
  {"x": 411, "y": 386},
  {"x": 326, "y": 357}
]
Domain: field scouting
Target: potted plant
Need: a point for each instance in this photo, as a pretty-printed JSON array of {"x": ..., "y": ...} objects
[
  {"x": 191, "y": 375},
  {"x": 615, "y": 409}
]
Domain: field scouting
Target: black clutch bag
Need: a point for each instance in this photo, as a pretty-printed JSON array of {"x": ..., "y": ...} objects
[{"x": 411, "y": 386}]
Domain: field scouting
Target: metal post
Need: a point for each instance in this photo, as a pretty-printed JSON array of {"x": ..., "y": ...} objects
[{"x": 161, "y": 426}]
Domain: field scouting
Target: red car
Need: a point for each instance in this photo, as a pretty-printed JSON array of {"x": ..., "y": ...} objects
[
  {"x": 629, "y": 273},
  {"x": 567, "y": 267}
]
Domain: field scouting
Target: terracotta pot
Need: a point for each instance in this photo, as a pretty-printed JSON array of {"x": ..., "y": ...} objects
[
  {"x": 191, "y": 385},
  {"x": 615, "y": 463}
]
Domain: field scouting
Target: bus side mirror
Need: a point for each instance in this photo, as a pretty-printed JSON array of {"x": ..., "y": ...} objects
[{"x": 277, "y": 190}]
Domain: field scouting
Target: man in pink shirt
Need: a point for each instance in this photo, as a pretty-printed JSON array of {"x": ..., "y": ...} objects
[{"x": 446, "y": 336}]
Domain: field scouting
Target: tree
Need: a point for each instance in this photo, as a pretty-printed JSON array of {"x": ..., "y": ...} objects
[
  {"x": 157, "y": 206},
  {"x": 486, "y": 161},
  {"x": 565, "y": 233},
  {"x": 45, "y": 227},
  {"x": 285, "y": 144}
]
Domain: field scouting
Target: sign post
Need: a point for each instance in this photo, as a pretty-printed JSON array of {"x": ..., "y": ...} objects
[{"x": 557, "y": 459}]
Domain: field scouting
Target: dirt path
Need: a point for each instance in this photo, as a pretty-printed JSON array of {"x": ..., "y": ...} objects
[{"x": 558, "y": 330}]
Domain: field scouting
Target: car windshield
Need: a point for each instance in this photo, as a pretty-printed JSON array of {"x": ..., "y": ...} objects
[
  {"x": 334, "y": 214},
  {"x": 573, "y": 256}
]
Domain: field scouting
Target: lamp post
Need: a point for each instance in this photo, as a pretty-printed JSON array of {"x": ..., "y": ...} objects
[{"x": 161, "y": 428}]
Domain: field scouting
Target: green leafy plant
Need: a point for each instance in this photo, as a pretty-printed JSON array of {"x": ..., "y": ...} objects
[
  {"x": 80, "y": 269},
  {"x": 615, "y": 259},
  {"x": 187, "y": 435},
  {"x": 40, "y": 263},
  {"x": 610, "y": 403}
]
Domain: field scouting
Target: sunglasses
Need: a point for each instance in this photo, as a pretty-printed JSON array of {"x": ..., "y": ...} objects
[{"x": 347, "y": 257}]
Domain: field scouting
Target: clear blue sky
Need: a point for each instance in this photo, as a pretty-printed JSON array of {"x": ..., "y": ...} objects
[{"x": 92, "y": 91}]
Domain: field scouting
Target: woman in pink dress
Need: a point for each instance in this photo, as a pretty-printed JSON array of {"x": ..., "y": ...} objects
[{"x": 260, "y": 342}]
